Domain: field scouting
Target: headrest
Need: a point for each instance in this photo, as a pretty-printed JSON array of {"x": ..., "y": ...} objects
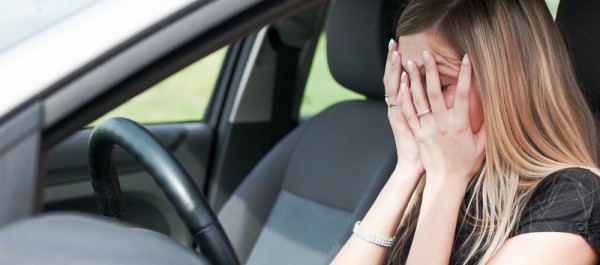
[
  {"x": 358, "y": 32},
  {"x": 579, "y": 23}
]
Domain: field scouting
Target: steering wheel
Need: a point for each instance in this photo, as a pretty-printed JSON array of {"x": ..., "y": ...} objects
[{"x": 168, "y": 174}]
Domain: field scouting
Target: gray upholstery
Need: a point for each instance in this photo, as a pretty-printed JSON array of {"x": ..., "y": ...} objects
[
  {"x": 299, "y": 204},
  {"x": 311, "y": 238},
  {"x": 340, "y": 153},
  {"x": 579, "y": 21},
  {"x": 339, "y": 160},
  {"x": 245, "y": 213},
  {"x": 72, "y": 239}
]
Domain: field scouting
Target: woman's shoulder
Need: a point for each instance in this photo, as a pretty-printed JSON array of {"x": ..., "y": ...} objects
[
  {"x": 565, "y": 201},
  {"x": 574, "y": 173},
  {"x": 574, "y": 181},
  {"x": 566, "y": 186}
]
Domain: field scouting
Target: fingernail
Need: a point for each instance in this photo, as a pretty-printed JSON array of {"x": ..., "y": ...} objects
[
  {"x": 403, "y": 77},
  {"x": 391, "y": 45},
  {"x": 410, "y": 66},
  {"x": 426, "y": 56},
  {"x": 394, "y": 57},
  {"x": 403, "y": 88},
  {"x": 466, "y": 60}
]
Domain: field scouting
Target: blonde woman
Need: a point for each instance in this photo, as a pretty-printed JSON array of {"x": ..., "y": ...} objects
[{"x": 496, "y": 144}]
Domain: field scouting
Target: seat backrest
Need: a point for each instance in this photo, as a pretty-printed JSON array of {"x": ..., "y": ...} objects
[
  {"x": 579, "y": 23},
  {"x": 298, "y": 205}
]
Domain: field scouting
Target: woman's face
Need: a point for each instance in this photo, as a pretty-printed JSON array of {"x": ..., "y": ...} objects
[{"x": 448, "y": 61}]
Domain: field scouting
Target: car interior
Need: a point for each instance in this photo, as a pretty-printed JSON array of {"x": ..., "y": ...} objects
[{"x": 280, "y": 189}]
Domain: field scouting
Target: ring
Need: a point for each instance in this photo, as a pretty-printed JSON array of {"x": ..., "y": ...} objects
[
  {"x": 423, "y": 113},
  {"x": 388, "y": 102}
]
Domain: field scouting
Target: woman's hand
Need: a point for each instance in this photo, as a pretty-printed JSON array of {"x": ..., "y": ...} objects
[
  {"x": 451, "y": 153},
  {"x": 407, "y": 148}
]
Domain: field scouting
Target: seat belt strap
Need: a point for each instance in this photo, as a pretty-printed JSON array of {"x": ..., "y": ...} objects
[{"x": 284, "y": 88}]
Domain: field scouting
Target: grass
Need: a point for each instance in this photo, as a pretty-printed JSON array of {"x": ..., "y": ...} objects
[
  {"x": 185, "y": 95},
  {"x": 553, "y": 6},
  {"x": 181, "y": 97}
]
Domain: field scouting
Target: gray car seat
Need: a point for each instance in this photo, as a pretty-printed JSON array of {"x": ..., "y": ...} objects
[
  {"x": 299, "y": 204},
  {"x": 579, "y": 21}
]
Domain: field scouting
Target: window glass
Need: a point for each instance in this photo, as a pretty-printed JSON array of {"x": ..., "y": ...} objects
[
  {"x": 321, "y": 89},
  {"x": 181, "y": 97},
  {"x": 553, "y": 6}
]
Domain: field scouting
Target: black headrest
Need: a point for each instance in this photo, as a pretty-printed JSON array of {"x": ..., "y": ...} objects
[
  {"x": 580, "y": 24},
  {"x": 358, "y": 32}
]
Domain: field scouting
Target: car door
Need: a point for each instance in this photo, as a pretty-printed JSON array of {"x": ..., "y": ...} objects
[
  {"x": 174, "y": 111},
  {"x": 205, "y": 113}
]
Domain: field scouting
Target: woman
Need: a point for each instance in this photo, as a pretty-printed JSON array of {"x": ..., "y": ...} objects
[{"x": 484, "y": 105}]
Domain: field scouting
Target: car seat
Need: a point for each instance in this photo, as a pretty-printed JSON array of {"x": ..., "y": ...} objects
[
  {"x": 299, "y": 204},
  {"x": 579, "y": 26}
]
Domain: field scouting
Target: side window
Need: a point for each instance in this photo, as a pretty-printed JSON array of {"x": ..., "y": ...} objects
[
  {"x": 182, "y": 97},
  {"x": 321, "y": 89},
  {"x": 553, "y": 6}
]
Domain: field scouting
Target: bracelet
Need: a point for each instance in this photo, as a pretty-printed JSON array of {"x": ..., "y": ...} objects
[{"x": 383, "y": 241}]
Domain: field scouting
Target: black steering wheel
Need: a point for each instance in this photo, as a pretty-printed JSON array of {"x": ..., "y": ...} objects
[{"x": 168, "y": 174}]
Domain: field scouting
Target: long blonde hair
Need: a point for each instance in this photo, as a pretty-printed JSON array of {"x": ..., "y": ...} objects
[{"x": 536, "y": 118}]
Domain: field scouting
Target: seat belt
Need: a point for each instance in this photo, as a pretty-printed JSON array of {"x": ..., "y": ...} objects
[{"x": 284, "y": 87}]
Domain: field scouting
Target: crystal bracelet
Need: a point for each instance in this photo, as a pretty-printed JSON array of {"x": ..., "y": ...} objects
[{"x": 365, "y": 235}]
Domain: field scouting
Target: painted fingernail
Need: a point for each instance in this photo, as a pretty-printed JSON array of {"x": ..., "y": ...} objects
[
  {"x": 391, "y": 45},
  {"x": 403, "y": 77},
  {"x": 395, "y": 57},
  {"x": 410, "y": 66},
  {"x": 426, "y": 56},
  {"x": 466, "y": 60},
  {"x": 403, "y": 88}
]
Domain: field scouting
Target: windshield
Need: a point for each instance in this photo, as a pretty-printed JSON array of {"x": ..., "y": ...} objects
[{"x": 23, "y": 18}]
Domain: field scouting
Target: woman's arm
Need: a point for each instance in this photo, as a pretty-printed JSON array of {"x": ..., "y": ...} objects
[
  {"x": 545, "y": 248},
  {"x": 381, "y": 219},
  {"x": 386, "y": 212},
  {"x": 434, "y": 236}
]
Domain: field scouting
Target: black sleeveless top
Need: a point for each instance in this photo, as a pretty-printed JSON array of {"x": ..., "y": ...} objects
[{"x": 564, "y": 201}]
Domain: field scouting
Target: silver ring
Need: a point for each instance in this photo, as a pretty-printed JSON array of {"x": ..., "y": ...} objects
[
  {"x": 388, "y": 102},
  {"x": 423, "y": 113}
]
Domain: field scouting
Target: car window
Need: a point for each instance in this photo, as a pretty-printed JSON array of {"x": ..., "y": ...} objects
[
  {"x": 553, "y": 6},
  {"x": 323, "y": 91},
  {"x": 181, "y": 97},
  {"x": 29, "y": 17}
]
